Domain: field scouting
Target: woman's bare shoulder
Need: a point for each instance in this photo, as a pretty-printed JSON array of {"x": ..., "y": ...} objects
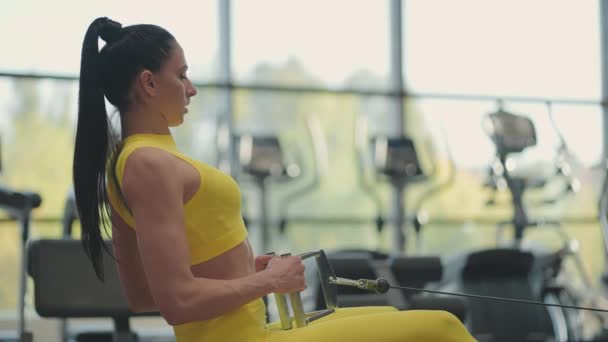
[{"x": 150, "y": 172}]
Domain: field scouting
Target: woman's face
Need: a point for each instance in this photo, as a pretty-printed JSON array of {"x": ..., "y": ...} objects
[{"x": 174, "y": 88}]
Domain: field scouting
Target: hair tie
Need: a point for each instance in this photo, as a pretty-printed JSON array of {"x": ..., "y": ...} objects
[{"x": 109, "y": 30}]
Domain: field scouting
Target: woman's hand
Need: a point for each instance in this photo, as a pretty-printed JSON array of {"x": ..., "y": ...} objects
[
  {"x": 262, "y": 260},
  {"x": 286, "y": 273}
]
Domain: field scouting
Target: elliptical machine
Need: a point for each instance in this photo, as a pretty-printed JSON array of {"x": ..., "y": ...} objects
[
  {"x": 394, "y": 160},
  {"x": 264, "y": 161},
  {"x": 514, "y": 271}
]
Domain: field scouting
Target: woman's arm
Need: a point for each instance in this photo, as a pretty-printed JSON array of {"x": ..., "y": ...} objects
[
  {"x": 130, "y": 268},
  {"x": 154, "y": 191}
]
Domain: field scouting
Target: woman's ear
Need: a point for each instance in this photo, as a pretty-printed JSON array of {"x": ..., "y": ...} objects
[{"x": 147, "y": 83}]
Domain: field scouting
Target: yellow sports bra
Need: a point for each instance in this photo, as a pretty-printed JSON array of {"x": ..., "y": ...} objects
[{"x": 213, "y": 220}]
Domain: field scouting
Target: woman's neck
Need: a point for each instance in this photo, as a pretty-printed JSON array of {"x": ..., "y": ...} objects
[{"x": 143, "y": 122}]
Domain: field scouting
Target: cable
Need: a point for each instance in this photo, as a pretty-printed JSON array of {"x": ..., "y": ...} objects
[
  {"x": 496, "y": 298},
  {"x": 381, "y": 285}
]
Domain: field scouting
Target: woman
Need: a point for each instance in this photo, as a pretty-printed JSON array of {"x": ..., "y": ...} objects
[{"x": 179, "y": 239}]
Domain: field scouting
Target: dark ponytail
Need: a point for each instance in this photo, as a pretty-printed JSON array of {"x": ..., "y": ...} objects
[{"x": 108, "y": 72}]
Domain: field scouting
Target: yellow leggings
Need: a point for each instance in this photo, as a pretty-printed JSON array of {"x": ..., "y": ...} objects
[{"x": 382, "y": 324}]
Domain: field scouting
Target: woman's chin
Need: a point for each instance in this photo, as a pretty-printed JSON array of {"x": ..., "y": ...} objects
[{"x": 177, "y": 122}]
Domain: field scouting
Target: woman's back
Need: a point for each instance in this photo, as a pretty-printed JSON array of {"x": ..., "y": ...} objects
[{"x": 212, "y": 200}]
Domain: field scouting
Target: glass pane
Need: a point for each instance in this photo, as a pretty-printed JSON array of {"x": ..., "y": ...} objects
[
  {"x": 515, "y": 48},
  {"x": 317, "y": 134},
  {"x": 198, "y": 135},
  {"x": 30, "y": 29},
  {"x": 313, "y": 43},
  {"x": 37, "y": 138},
  {"x": 460, "y": 123},
  {"x": 37, "y": 132},
  {"x": 456, "y": 128},
  {"x": 338, "y": 213}
]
